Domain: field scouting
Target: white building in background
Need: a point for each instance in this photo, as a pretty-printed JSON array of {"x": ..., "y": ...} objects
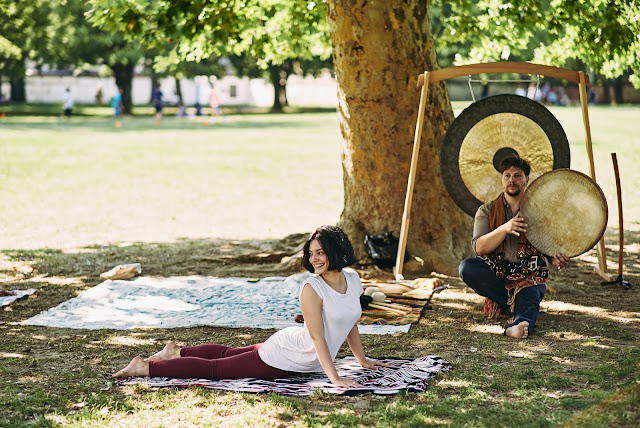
[{"x": 232, "y": 90}]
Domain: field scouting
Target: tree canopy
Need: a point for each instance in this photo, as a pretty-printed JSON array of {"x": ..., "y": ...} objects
[
  {"x": 604, "y": 35},
  {"x": 272, "y": 31},
  {"x": 25, "y": 28}
]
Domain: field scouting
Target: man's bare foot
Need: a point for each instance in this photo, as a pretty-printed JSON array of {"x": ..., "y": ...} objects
[
  {"x": 169, "y": 352},
  {"x": 519, "y": 331},
  {"x": 137, "y": 367}
]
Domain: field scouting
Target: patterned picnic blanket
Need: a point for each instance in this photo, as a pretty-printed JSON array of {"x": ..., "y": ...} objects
[
  {"x": 409, "y": 375},
  {"x": 195, "y": 300}
]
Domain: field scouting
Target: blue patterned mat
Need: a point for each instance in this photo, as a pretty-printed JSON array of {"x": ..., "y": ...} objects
[{"x": 187, "y": 301}]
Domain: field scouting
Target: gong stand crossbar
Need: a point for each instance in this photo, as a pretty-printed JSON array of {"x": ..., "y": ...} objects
[{"x": 435, "y": 76}]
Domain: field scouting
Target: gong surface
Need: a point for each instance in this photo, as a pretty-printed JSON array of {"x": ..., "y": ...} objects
[
  {"x": 565, "y": 212},
  {"x": 488, "y": 131}
]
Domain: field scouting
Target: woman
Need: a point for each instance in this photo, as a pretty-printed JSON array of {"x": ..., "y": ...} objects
[{"x": 330, "y": 301}]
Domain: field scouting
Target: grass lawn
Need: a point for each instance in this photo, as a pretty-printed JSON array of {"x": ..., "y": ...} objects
[
  {"x": 83, "y": 181},
  {"x": 80, "y": 196}
]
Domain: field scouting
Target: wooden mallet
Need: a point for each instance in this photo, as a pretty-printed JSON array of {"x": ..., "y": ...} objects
[{"x": 619, "y": 280}]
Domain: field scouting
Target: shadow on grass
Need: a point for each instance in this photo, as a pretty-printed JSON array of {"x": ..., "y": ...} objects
[
  {"x": 581, "y": 353},
  {"x": 59, "y": 275},
  {"x": 145, "y": 124}
]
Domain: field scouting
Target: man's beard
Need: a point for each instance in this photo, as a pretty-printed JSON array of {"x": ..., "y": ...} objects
[{"x": 513, "y": 193}]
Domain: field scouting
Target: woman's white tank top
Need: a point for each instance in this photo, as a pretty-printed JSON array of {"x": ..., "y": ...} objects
[{"x": 292, "y": 348}]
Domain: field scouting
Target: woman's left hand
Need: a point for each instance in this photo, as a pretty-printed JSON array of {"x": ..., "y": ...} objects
[{"x": 370, "y": 364}]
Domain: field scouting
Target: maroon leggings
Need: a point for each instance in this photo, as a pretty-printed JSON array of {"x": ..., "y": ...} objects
[{"x": 216, "y": 362}]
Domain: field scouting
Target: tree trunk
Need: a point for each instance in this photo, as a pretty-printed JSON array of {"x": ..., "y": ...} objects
[
  {"x": 606, "y": 92},
  {"x": 18, "y": 93},
  {"x": 124, "y": 79},
  {"x": 274, "y": 75},
  {"x": 178, "y": 90},
  {"x": 154, "y": 82},
  {"x": 285, "y": 100},
  {"x": 377, "y": 73},
  {"x": 618, "y": 89}
]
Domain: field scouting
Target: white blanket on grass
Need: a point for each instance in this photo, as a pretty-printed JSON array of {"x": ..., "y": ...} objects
[
  {"x": 17, "y": 294},
  {"x": 187, "y": 301}
]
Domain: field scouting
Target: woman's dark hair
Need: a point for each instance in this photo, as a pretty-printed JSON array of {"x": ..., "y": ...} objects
[
  {"x": 336, "y": 246},
  {"x": 517, "y": 162}
]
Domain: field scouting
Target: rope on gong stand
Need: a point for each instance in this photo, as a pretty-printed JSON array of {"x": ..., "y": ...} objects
[{"x": 473, "y": 96}]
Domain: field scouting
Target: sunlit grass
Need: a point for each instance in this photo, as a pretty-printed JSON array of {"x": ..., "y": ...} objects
[{"x": 86, "y": 182}]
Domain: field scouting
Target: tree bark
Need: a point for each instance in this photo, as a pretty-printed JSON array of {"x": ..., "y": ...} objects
[
  {"x": 606, "y": 92},
  {"x": 274, "y": 75},
  {"x": 618, "y": 90},
  {"x": 377, "y": 73},
  {"x": 178, "y": 90},
  {"x": 124, "y": 79},
  {"x": 18, "y": 93},
  {"x": 154, "y": 82}
]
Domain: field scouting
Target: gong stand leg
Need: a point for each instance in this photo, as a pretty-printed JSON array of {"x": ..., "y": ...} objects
[
  {"x": 602, "y": 256},
  {"x": 619, "y": 280},
  {"x": 404, "y": 228}
]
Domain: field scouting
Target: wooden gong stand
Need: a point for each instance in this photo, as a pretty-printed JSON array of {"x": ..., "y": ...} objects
[{"x": 435, "y": 76}]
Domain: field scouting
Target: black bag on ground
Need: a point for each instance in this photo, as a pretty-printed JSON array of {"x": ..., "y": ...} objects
[{"x": 383, "y": 249}]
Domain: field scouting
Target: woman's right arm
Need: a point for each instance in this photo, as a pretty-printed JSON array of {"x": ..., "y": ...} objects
[{"x": 311, "y": 305}]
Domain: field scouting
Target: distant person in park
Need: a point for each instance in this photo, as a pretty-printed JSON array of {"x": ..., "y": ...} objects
[
  {"x": 214, "y": 103},
  {"x": 157, "y": 103},
  {"x": 592, "y": 96},
  {"x": 67, "y": 102},
  {"x": 99, "y": 96},
  {"x": 182, "y": 110},
  {"x": 118, "y": 107},
  {"x": 552, "y": 98},
  {"x": 521, "y": 91},
  {"x": 563, "y": 97},
  {"x": 116, "y": 103},
  {"x": 508, "y": 271},
  {"x": 544, "y": 93},
  {"x": 532, "y": 92},
  {"x": 330, "y": 301},
  {"x": 485, "y": 90}
]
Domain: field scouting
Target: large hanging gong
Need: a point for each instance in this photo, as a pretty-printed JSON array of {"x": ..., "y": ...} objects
[{"x": 490, "y": 130}]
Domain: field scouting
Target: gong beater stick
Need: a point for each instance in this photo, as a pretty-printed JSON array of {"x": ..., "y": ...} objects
[
  {"x": 619, "y": 280},
  {"x": 368, "y": 302}
]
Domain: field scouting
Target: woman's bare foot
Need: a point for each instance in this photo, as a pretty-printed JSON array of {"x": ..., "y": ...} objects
[
  {"x": 137, "y": 367},
  {"x": 169, "y": 352},
  {"x": 518, "y": 331}
]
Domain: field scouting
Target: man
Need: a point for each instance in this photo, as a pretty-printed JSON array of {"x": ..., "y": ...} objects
[
  {"x": 158, "y": 104},
  {"x": 67, "y": 102},
  {"x": 508, "y": 271},
  {"x": 116, "y": 103},
  {"x": 118, "y": 107}
]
